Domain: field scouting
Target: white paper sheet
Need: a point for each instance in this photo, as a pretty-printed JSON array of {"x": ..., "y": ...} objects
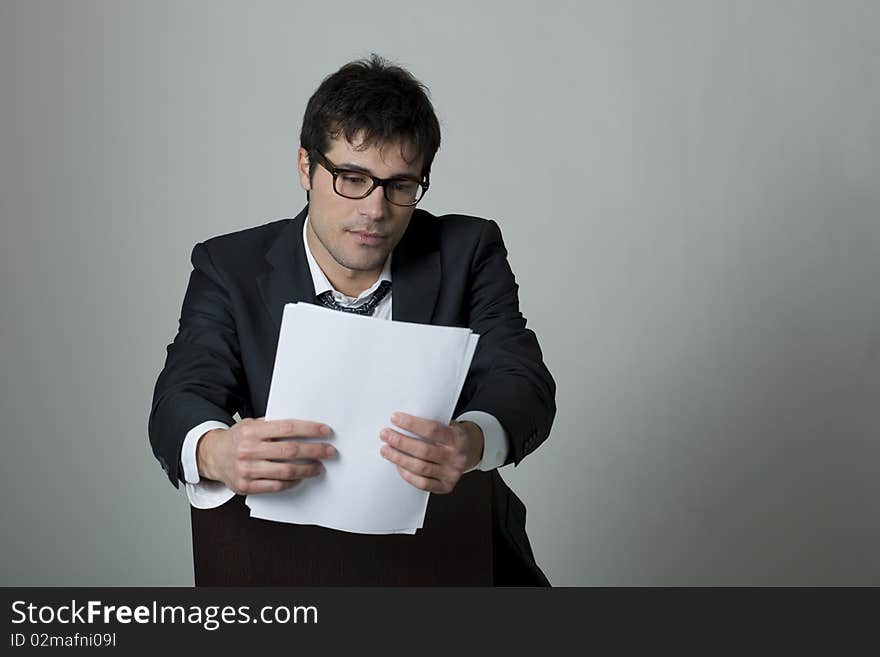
[{"x": 351, "y": 372}]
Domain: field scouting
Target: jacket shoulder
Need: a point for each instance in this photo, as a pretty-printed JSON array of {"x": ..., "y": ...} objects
[
  {"x": 256, "y": 238},
  {"x": 241, "y": 250},
  {"x": 455, "y": 229}
]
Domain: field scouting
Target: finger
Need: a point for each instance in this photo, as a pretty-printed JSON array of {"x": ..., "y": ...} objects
[
  {"x": 283, "y": 471},
  {"x": 416, "y": 466},
  {"x": 288, "y": 450},
  {"x": 288, "y": 428},
  {"x": 415, "y": 447},
  {"x": 428, "y": 429},
  {"x": 424, "y": 483}
]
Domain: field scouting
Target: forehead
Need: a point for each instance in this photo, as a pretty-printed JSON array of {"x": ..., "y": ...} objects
[{"x": 383, "y": 159}]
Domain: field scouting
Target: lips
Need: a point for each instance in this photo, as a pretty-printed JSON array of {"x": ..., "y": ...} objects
[{"x": 370, "y": 239}]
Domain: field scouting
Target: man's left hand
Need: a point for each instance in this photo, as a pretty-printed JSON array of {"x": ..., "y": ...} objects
[{"x": 436, "y": 462}]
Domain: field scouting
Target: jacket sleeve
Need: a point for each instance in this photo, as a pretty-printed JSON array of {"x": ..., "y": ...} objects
[
  {"x": 202, "y": 378},
  {"x": 507, "y": 378}
]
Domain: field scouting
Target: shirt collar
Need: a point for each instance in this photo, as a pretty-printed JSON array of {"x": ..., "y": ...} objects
[{"x": 322, "y": 283}]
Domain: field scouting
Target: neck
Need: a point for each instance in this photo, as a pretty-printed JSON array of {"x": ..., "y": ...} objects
[{"x": 351, "y": 282}]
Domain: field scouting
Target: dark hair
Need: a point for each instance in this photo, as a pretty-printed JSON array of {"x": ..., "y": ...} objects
[{"x": 374, "y": 100}]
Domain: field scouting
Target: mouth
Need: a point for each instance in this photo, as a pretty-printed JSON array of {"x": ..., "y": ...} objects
[{"x": 368, "y": 238}]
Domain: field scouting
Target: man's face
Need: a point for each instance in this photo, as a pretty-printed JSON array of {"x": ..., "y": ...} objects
[{"x": 354, "y": 237}]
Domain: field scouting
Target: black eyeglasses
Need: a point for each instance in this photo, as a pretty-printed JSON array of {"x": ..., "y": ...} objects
[{"x": 404, "y": 192}]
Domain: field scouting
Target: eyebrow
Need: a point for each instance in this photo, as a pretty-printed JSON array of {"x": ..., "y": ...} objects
[{"x": 348, "y": 166}]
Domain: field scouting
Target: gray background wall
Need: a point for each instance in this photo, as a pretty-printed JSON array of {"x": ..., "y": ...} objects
[{"x": 689, "y": 194}]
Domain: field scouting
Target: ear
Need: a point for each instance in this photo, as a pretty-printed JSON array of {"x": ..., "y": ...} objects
[{"x": 302, "y": 167}]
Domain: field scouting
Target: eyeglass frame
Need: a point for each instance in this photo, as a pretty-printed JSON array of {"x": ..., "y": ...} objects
[{"x": 335, "y": 171}]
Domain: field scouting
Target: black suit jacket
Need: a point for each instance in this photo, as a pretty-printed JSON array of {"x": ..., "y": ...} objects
[{"x": 450, "y": 271}]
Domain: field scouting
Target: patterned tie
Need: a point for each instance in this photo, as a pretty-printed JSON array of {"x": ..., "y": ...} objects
[{"x": 367, "y": 308}]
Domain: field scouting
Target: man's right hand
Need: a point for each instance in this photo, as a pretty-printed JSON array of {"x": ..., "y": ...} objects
[{"x": 251, "y": 457}]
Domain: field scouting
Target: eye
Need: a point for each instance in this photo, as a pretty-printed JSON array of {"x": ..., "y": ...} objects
[
  {"x": 353, "y": 179},
  {"x": 404, "y": 185}
]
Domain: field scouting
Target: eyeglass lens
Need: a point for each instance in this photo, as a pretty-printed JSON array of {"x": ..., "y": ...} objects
[{"x": 354, "y": 185}]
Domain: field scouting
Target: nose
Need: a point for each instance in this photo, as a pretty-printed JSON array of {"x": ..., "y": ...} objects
[{"x": 373, "y": 206}]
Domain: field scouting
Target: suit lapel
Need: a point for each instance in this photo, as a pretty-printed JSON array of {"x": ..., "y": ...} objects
[
  {"x": 287, "y": 278},
  {"x": 415, "y": 271}
]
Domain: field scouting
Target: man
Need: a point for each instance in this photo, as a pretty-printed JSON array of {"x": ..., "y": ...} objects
[{"x": 368, "y": 140}]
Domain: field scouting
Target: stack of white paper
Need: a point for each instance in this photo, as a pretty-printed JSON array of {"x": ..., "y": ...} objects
[{"x": 351, "y": 372}]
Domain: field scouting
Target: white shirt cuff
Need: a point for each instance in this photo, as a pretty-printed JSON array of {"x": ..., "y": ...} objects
[
  {"x": 202, "y": 493},
  {"x": 496, "y": 443}
]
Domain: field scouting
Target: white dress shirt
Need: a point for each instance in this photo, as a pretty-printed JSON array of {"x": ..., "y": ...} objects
[{"x": 207, "y": 494}]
